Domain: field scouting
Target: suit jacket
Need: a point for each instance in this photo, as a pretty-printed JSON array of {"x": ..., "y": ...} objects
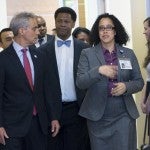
[
  {"x": 96, "y": 84},
  {"x": 49, "y": 50},
  {"x": 17, "y": 98},
  {"x": 49, "y": 37}
]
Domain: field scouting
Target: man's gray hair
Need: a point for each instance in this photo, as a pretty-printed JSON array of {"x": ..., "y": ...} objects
[{"x": 20, "y": 20}]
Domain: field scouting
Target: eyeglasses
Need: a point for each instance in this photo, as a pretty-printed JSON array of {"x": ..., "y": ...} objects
[{"x": 107, "y": 28}]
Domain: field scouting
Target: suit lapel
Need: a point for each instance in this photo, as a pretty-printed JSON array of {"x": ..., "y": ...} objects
[
  {"x": 76, "y": 57},
  {"x": 35, "y": 61},
  {"x": 18, "y": 66},
  {"x": 52, "y": 57},
  {"x": 50, "y": 48},
  {"x": 119, "y": 55},
  {"x": 99, "y": 54}
]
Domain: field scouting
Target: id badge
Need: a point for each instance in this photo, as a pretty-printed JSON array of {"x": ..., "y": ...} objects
[{"x": 125, "y": 63}]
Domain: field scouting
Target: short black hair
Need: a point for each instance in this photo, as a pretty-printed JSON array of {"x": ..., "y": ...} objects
[
  {"x": 67, "y": 10},
  {"x": 78, "y": 30},
  {"x": 4, "y": 30}
]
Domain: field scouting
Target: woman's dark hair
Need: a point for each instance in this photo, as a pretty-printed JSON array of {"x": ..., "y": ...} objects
[
  {"x": 78, "y": 30},
  {"x": 147, "y": 58},
  {"x": 67, "y": 10},
  {"x": 121, "y": 36}
]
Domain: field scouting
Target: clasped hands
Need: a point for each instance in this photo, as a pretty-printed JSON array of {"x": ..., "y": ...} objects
[{"x": 111, "y": 72}]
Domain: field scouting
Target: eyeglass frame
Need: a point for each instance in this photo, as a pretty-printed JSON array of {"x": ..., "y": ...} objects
[{"x": 107, "y": 28}]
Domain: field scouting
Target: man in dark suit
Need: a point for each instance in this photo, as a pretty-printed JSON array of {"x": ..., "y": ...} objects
[
  {"x": 43, "y": 37},
  {"x": 25, "y": 90},
  {"x": 63, "y": 53}
]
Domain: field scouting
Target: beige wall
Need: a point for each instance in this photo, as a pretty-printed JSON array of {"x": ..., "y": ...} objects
[
  {"x": 81, "y": 8},
  {"x": 3, "y": 18},
  {"x": 45, "y": 8},
  {"x": 138, "y": 12}
]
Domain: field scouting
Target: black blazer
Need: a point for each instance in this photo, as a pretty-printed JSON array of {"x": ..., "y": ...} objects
[
  {"x": 49, "y": 50},
  {"x": 49, "y": 37},
  {"x": 17, "y": 98}
]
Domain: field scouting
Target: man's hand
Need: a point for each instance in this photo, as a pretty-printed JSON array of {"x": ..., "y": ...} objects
[
  {"x": 55, "y": 127},
  {"x": 3, "y": 135}
]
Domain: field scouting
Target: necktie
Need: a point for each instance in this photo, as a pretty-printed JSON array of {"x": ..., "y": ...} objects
[
  {"x": 40, "y": 41},
  {"x": 27, "y": 69},
  {"x": 60, "y": 43}
]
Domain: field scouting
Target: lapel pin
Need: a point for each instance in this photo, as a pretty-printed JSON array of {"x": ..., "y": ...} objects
[
  {"x": 35, "y": 56},
  {"x": 121, "y": 51}
]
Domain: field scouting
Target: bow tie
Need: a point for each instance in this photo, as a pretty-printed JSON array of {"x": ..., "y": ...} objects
[{"x": 60, "y": 43}]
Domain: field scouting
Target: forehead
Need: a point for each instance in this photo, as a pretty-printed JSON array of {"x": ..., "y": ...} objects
[
  {"x": 146, "y": 24},
  {"x": 7, "y": 34},
  {"x": 82, "y": 34},
  {"x": 64, "y": 16},
  {"x": 105, "y": 21},
  {"x": 32, "y": 22},
  {"x": 40, "y": 20}
]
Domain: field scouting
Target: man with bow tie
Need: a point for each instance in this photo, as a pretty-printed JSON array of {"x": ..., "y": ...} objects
[{"x": 63, "y": 53}]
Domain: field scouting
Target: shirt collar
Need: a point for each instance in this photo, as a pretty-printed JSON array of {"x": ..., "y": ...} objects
[
  {"x": 70, "y": 38},
  {"x": 106, "y": 50},
  {"x": 18, "y": 47}
]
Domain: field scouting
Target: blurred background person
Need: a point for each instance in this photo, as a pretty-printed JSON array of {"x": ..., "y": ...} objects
[
  {"x": 43, "y": 37},
  {"x": 82, "y": 33},
  {"x": 109, "y": 106},
  {"x": 145, "y": 104},
  {"x": 6, "y": 37}
]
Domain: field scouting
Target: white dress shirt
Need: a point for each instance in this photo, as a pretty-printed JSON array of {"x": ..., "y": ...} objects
[{"x": 65, "y": 60}]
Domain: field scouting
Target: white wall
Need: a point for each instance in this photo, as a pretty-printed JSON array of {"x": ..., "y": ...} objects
[
  {"x": 3, "y": 14},
  {"x": 93, "y": 8},
  {"x": 148, "y": 8},
  {"x": 122, "y": 10}
]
